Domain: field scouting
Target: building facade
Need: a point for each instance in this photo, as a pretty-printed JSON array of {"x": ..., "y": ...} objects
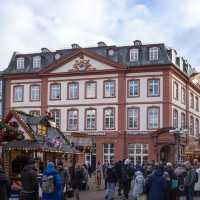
[{"x": 127, "y": 99}]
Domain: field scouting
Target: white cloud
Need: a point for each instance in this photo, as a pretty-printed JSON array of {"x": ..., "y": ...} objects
[{"x": 26, "y": 26}]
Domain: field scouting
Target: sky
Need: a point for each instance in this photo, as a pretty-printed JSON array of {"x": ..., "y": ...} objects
[{"x": 28, "y": 25}]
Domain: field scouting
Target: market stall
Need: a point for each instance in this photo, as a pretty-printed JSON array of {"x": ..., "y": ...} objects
[{"x": 39, "y": 138}]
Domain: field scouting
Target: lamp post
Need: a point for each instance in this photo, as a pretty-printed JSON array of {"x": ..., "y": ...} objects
[{"x": 178, "y": 133}]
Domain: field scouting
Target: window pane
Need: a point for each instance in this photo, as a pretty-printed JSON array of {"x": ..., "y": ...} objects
[
  {"x": 91, "y": 119},
  {"x": 109, "y": 88},
  {"x": 134, "y": 88},
  {"x": 36, "y": 62},
  {"x": 153, "y": 87},
  {"x": 109, "y": 118},
  {"x": 134, "y": 54},
  {"x": 153, "y": 117},
  {"x": 56, "y": 116},
  {"x": 35, "y": 93},
  {"x": 91, "y": 89},
  {"x": 18, "y": 93},
  {"x": 153, "y": 53},
  {"x": 73, "y": 90},
  {"x": 55, "y": 91},
  {"x": 72, "y": 119}
]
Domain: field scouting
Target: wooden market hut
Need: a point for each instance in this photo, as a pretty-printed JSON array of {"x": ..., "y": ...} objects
[{"x": 41, "y": 140}]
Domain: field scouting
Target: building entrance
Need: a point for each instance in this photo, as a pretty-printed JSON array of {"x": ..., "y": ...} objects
[{"x": 165, "y": 154}]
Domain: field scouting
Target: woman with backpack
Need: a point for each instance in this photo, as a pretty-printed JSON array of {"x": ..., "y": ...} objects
[{"x": 51, "y": 184}]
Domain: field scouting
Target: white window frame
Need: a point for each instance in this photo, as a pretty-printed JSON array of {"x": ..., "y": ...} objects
[
  {"x": 108, "y": 152},
  {"x": 183, "y": 120},
  {"x": 192, "y": 126},
  {"x": 18, "y": 93},
  {"x": 155, "y": 85},
  {"x": 56, "y": 116},
  {"x": 134, "y": 116},
  {"x": 73, "y": 90},
  {"x": 197, "y": 127},
  {"x": 72, "y": 116},
  {"x": 175, "y": 118},
  {"x": 138, "y": 151},
  {"x": 153, "y": 117},
  {"x": 153, "y": 53},
  {"x": 197, "y": 103},
  {"x": 91, "y": 89},
  {"x": 133, "y": 55},
  {"x": 191, "y": 100},
  {"x": 90, "y": 119},
  {"x": 133, "y": 88},
  {"x": 36, "y": 62},
  {"x": 109, "y": 89},
  {"x": 55, "y": 92},
  {"x": 183, "y": 95},
  {"x": 110, "y": 118},
  {"x": 20, "y": 63},
  {"x": 35, "y": 92},
  {"x": 175, "y": 90}
]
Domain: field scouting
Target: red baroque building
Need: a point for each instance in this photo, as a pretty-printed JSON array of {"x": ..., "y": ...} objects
[{"x": 127, "y": 98}]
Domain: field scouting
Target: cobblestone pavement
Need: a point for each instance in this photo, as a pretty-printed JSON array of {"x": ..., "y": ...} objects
[{"x": 99, "y": 195}]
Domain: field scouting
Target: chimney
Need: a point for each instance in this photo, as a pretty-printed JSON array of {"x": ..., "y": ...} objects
[
  {"x": 45, "y": 50},
  {"x": 75, "y": 46},
  {"x": 137, "y": 42},
  {"x": 101, "y": 44}
]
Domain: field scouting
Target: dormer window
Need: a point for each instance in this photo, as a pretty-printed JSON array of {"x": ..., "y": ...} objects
[
  {"x": 36, "y": 62},
  {"x": 133, "y": 55},
  {"x": 20, "y": 63},
  {"x": 153, "y": 53}
]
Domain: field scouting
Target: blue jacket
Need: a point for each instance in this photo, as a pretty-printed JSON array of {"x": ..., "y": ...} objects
[
  {"x": 156, "y": 186},
  {"x": 57, "y": 181}
]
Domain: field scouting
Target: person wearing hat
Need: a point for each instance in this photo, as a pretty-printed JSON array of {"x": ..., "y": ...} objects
[{"x": 30, "y": 186}]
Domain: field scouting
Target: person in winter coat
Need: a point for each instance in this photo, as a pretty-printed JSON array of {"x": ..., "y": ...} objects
[
  {"x": 156, "y": 185},
  {"x": 77, "y": 180},
  {"x": 189, "y": 180},
  {"x": 56, "y": 195},
  {"x": 111, "y": 182},
  {"x": 4, "y": 185},
  {"x": 118, "y": 168},
  {"x": 30, "y": 186},
  {"x": 180, "y": 173},
  {"x": 138, "y": 185},
  {"x": 64, "y": 175},
  {"x": 127, "y": 175},
  {"x": 172, "y": 181},
  {"x": 197, "y": 184}
]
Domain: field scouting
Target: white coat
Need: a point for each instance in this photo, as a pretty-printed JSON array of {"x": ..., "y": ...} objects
[{"x": 138, "y": 185}]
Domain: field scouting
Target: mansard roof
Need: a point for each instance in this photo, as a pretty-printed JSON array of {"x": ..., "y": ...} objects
[{"x": 119, "y": 57}]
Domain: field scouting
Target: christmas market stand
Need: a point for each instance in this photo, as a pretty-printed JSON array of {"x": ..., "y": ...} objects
[{"x": 23, "y": 136}]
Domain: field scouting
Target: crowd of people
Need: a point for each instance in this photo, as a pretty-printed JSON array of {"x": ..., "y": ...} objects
[
  {"x": 56, "y": 183},
  {"x": 152, "y": 181}
]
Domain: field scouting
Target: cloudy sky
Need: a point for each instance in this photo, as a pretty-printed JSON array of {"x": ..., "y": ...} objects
[{"x": 28, "y": 25}]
